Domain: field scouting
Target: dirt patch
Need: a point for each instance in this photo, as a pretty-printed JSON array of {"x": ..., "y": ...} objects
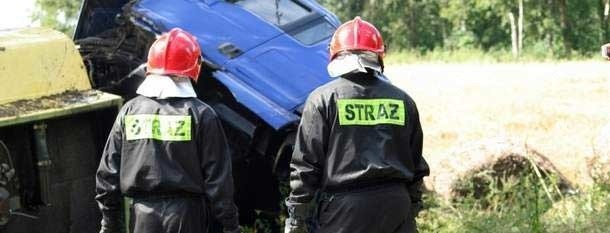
[
  {"x": 557, "y": 107},
  {"x": 60, "y": 100},
  {"x": 470, "y": 168}
]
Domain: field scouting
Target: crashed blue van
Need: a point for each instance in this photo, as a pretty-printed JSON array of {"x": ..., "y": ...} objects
[{"x": 262, "y": 59}]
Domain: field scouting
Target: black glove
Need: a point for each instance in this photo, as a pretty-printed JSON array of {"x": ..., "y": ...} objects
[
  {"x": 109, "y": 230},
  {"x": 111, "y": 222},
  {"x": 295, "y": 226}
]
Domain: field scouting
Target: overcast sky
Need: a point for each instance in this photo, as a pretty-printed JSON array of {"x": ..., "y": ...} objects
[{"x": 15, "y": 14}]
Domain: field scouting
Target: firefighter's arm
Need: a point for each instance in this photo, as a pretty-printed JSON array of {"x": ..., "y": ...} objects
[
  {"x": 217, "y": 169},
  {"x": 306, "y": 165},
  {"x": 107, "y": 185},
  {"x": 420, "y": 166}
]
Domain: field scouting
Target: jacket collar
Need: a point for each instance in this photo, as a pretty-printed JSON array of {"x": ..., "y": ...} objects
[
  {"x": 163, "y": 87},
  {"x": 352, "y": 63}
]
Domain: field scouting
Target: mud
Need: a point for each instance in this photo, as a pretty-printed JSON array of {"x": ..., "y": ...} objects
[
  {"x": 459, "y": 172},
  {"x": 60, "y": 100}
]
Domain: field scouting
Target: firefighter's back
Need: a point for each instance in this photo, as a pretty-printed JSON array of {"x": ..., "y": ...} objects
[{"x": 372, "y": 123}]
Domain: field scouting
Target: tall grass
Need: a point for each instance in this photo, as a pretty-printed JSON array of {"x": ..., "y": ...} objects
[
  {"x": 517, "y": 205},
  {"x": 510, "y": 205},
  {"x": 481, "y": 56}
]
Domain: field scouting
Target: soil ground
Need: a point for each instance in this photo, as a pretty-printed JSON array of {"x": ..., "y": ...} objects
[{"x": 556, "y": 108}]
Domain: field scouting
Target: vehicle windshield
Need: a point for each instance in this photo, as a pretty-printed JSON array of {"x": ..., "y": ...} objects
[
  {"x": 278, "y": 12},
  {"x": 313, "y": 32}
]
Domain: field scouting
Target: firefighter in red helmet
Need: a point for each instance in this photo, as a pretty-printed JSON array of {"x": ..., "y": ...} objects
[
  {"x": 357, "y": 166},
  {"x": 167, "y": 150}
]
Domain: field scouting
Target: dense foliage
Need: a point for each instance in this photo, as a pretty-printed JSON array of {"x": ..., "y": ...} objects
[
  {"x": 559, "y": 27},
  {"x": 59, "y": 14}
]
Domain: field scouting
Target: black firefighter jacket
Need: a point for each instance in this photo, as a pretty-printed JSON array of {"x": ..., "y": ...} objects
[
  {"x": 166, "y": 147},
  {"x": 356, "y": 131}
]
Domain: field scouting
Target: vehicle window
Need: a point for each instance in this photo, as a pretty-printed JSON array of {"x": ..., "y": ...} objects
[
  {"x": 314, "y": 32},
  {"x": 278, "y": 12}
]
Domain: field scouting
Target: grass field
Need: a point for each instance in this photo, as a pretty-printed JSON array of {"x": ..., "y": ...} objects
[
  {"x": 557, "y": 108},
  {"x": 481, "y": 56}
]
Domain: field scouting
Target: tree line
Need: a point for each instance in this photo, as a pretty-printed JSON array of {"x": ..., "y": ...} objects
[{"x": 559, "y": 27}]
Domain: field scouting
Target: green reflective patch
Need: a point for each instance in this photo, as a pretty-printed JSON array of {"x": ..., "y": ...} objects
[
  {"x": 371, "y": 111},
  {"x": 159, "y": 127}
]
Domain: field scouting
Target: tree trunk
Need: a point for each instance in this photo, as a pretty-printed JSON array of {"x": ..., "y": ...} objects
[
  {"x": 413, "y": 16},
  {"x": 513, "y": 33},
  {"x": 605, "y": 8},
  {"x": 520, "y": 35},
  {"x": 565, "y": 25},
  {"x": 550, "y": 35}
]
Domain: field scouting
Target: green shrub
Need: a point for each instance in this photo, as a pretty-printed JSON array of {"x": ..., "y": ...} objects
[
  {"x": 519, "y": 205},
  {"x": 587, "y": 212}
]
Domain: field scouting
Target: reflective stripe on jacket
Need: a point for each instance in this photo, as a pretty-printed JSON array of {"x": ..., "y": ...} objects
[
  {"x": 357, "y": 130},
  {"x": 170, "y": 147}
]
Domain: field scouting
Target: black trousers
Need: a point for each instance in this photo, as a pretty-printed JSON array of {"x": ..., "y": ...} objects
[
  {"x": 380, "y": 210},
  {"x": 169, "y": 215}
]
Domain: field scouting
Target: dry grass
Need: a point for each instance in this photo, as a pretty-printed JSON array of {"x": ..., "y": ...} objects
[{"x": 557, "y": 108}]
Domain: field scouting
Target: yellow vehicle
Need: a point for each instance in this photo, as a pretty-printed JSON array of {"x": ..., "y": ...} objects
[{"x": 52, "y": 127}]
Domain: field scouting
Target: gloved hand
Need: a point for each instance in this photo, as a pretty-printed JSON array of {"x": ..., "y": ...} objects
[
  {"x": 105, "y": 229},
  {"x": 110, "y": 226},
  {"x": 295, "y": 226}
]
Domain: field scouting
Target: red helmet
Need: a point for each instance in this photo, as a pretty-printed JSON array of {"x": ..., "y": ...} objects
[
  {"x": 175, "y": 53},
  {"x": 357, "y": 34}
]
